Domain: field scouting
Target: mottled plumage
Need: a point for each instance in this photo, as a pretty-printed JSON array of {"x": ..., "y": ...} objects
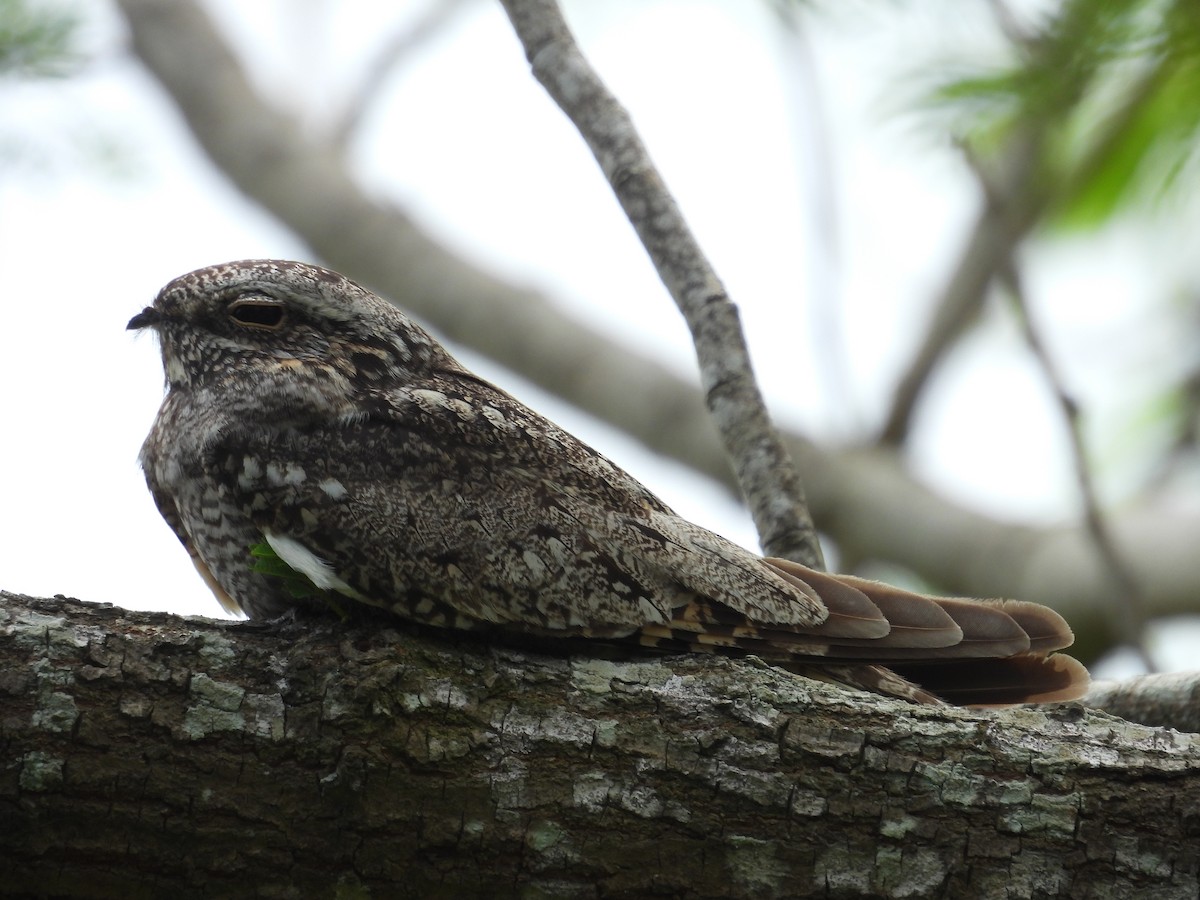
[{"x": 307, "y": 414}]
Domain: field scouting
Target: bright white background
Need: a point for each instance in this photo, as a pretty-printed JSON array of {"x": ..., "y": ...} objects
[{"x": 464, "y": 138}]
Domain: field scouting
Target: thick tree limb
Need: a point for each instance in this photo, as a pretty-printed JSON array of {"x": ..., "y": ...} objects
[
  {"x": 866, "y": 500},
  {"x": 149, "y": 755},
  {"x": 1170, "y": 700}
]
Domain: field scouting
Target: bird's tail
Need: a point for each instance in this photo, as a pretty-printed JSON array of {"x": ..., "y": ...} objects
[{"x": 895, "y": 642}]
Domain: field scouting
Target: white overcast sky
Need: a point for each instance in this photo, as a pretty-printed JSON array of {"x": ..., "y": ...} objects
[{"x": 464, "y": 138}]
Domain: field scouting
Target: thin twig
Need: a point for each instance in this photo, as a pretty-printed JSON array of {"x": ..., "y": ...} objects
[
  {"x": 395, "y": 51},
  {"x": 1009, "y": 26},
  {"x": 1017, "y": 196},
  {"x": 764, "y": 470},
  {"x": 1187, "y": 436},
  {"x": 1127, "y": 598},
  {"x": 1009, "y": 211}
]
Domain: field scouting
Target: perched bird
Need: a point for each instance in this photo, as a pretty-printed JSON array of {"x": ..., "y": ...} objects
[{"x": 308, "y": 421}]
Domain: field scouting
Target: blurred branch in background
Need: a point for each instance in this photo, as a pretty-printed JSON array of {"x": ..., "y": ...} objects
[
  {"x": 1100, "y": 109},
  {"x": 1125, "y": 595},
  {"x": 398, "y": 48},
  {"x": 1008, "y": 213}
]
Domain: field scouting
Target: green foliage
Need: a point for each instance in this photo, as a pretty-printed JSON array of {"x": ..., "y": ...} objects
[
  {"x": 36, "y": 41},
  {"x": 297, "y": 584},
  {"x": 1108, "y": 91}
]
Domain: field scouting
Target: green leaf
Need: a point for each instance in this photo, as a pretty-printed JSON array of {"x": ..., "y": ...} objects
[
  {"x": 297, "y": 584},
  {"x": 36, "y": 41},
  {"x": 1108, "y": 91}
]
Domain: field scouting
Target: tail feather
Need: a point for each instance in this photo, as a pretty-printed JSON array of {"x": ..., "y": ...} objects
[
  {"x": 1001, "y": 682},
  {"x": 852, "y": 614},
  {"x": 1047, "y": 630},
  {"x": 894, "y": 642},
  {"x": 914, "y": 620}
]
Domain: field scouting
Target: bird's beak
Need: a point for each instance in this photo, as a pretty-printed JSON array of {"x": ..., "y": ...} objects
[{"x": 147, "y": 318}]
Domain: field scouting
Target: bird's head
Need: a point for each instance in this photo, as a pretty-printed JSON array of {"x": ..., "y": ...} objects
[{"x": 284, "y": 328}]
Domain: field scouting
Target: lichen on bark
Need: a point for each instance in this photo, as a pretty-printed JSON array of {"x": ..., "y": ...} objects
[{"x": 147, "y": 754}]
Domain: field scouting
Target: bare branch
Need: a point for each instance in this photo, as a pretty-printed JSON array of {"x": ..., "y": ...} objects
[
  {"x": 1017, "y": 195},
  {"x": 1009, "y": 211},
  {"x": 1170, "y": 700},
  {"x": 1187, "y": 430},
  {"x": 764, "y": 470},
  {"x": 393, "y": 53},
  {"x": 1008, "y": 24},
  {"x": 1125, "y": 596}
]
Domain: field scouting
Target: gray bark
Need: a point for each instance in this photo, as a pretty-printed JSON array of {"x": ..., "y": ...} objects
[
  {"x": 147, "y": 755},
  {"x": 1170, "y": 699}
]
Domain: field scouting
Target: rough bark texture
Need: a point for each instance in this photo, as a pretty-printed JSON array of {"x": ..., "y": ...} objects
[
  {"x": 147, "y": 755},
  {"x": 1170, "y": 699}
]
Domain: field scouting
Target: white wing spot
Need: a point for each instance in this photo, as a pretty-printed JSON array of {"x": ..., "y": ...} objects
[
  {"x": 251, "y": 472},
  {"x": 535, "y": 564},
  {"x": 465, "y": 410},
  {"x": 289, "y": 473},
  {"x": 308, "y": 564},
  {"x": 334, "y": 488}
]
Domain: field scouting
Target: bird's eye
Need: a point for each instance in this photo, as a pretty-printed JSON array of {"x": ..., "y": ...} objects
[{"x": 257, "y": 312}]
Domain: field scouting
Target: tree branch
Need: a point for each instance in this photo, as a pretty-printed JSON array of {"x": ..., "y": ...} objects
[
  {"x": 149, "y": 755},
  {"x": 1125, "y": 594},
  {"x": 399, "y": 47},
  {"x": 1010, "y": 210},
  {"x": 765, "y": 473},
  {"x": 1017, "y": 194},
  {"x": 1168, "y": 700}
]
